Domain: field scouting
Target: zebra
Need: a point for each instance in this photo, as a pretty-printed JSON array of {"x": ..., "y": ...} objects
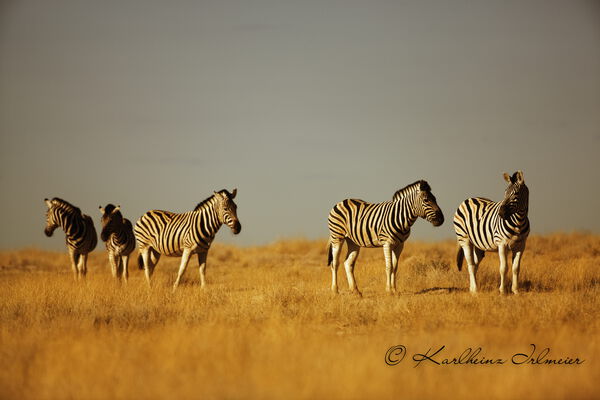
[
  {"x": 171, "y": 234},
  {"x": 387, "y": 225},
  {"x": 484, "y": 225},
  {"x": 117, "y": 232},
  {"x": 79, "y": 230}
]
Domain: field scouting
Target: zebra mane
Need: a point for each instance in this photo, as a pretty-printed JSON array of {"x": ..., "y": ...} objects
[
  {"x": 420, "y": 184},
  {"x": 65, "y": 205},
  {"x": 209, "y": 199}
]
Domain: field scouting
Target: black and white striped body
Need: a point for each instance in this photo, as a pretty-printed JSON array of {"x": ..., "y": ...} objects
[
  {"x": 117, "y": 233},
  {"x": 387, "y": 225},
  {"x": 183, "y": 234},
  {"x": 483, "y": 225},
  {"x": 80, "y": 234}
]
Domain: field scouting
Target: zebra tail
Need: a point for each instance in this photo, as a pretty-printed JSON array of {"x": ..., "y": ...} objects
[
  {"x": 140, "y": 261},
  {"x": 329, "y": 254},
  {"x": 459, "y": 258}
]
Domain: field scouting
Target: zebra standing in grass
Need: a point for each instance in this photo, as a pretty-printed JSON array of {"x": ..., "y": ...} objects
[
  {"x": 484, "y": 225},
  {"x": 171, "y": 234},
  {"x": 117, "y": 232},
  {"x": 387, "y": 225},
  {"x": 79, "y": 231}
]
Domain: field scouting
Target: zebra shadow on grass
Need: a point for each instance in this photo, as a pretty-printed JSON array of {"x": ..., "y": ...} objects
[
  {"x": 524, "y": 287},
  {"x": 440, "y": 290}
]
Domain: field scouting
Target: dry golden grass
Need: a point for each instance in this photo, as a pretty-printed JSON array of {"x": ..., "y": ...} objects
[{"x": 268, "y": 327}]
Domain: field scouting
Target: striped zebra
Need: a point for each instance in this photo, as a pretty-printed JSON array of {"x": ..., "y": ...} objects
[
  {"x": 387, "y": 225},
  {"x": 79, "y": 232},
  {"x": 171, "y": 234},
  {"x": 117, "y": 233},
  {"x": 484, "y": 225}
]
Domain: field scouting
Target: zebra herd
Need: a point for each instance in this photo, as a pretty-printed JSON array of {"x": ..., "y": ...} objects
[
  {"x": 157, "y": 233},
  {"x": 481, "y": 225}
]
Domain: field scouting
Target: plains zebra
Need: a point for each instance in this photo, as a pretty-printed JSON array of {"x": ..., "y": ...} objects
[
  {"x": 484, "y": 225},
  {"x": 171, "y": 234},
  {"x": 117, "y": 232},
  {"x": 387, "y": 225},
  {"x": 79, "y": 232}
]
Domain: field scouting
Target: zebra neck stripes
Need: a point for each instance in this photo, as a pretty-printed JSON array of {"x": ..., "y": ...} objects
[
  {"x": 403, "y": 215},
  {"x": 208, "y": 222},
  {"x": 69, "y": 223}
]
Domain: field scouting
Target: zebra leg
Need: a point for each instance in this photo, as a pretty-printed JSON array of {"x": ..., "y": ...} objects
[
  {"x": 119, "y": 263},
  {"x": 396, "y": 251},
  {"x": 185, "y": 257},
  {"x": 335, "y": 251},
  {"x": 502, "y": 254},
  {"x": 83, "y": 265},
  {"x": 353, "y": 251},
  {"x": 154, "y": 257},
  {"x": 73, "y": 259},
  {"x": 148, "y": 266},
  {"x": 202, "y": 267},
  {"x": 112, "y": 258},
  {"x": 387, "y": 254},
  {"x": 468, "y": 252},
  {"x": 125, "y": 267},
  {"x": 516, "y": 266}
]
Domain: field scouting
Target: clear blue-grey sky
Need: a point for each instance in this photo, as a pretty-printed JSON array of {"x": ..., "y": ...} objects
[{"x": 298, "y": 104}]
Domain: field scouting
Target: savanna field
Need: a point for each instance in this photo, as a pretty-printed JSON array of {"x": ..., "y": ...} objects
[{"x": 268, "y": 327}]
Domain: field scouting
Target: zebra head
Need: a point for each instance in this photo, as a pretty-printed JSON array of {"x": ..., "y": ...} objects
[
  {"x": 51, "y": 220},
  {"x": 516, "y": 196},
  {"x": 59, "y": 213},
  {"x": 426, "y": 205},
  {"x": 111, "y": 218},
  {"x": 227, "y": 210}
]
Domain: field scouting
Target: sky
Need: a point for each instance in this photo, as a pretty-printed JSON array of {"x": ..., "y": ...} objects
[{"x": 298, "y": 104}]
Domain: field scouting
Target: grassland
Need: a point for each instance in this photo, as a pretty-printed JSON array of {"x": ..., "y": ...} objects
[{"x": 267, "y": 326}]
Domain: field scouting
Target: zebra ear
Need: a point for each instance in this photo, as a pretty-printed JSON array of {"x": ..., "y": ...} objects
[
  {"x": 507, "y": 178},
  {"x": 117, "y": 208},
  {"x": 520, "y": 177},
  {"x": 101, "y": 210},
  {"x": 233, "y": 193},
  {"x": 48, "y": 203}
]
